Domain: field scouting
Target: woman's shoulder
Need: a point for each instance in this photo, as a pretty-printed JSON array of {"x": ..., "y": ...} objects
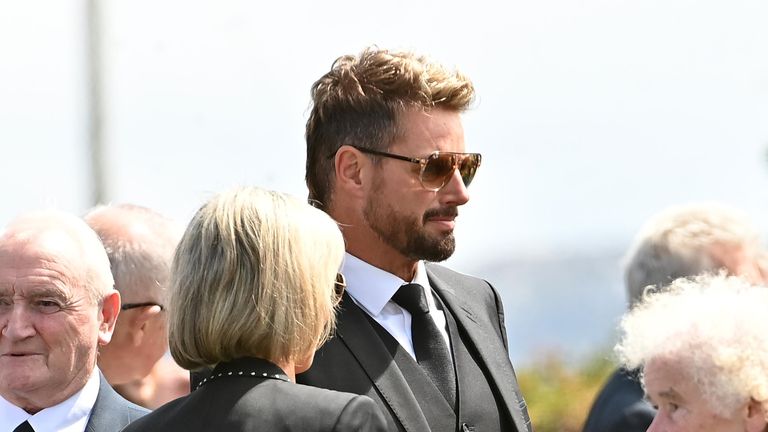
[{"x": 344, "y": 411}]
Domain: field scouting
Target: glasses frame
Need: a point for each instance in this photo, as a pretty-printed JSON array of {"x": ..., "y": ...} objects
[
  {"x": 128, "y": 306},
  {"x": 458, "y": 158},
  {"x": 339, "y": 286}
]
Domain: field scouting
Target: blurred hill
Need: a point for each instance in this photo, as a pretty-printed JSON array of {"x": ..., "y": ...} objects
[{"x": 566, "y": 305}]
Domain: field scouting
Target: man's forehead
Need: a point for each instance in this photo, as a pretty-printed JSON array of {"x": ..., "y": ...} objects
[
  {"x": 33, "y": 288},
  {"x": 44, "y": 258},
  {"x": 45, "y": 245}
]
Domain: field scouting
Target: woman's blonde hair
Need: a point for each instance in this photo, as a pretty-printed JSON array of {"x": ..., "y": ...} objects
[{"x": 253, "y": 276}]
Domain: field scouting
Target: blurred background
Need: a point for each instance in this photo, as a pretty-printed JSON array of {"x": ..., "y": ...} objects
[{"x": 591, "y": 116}]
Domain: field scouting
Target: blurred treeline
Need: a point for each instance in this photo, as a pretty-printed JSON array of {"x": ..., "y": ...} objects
[{"x": 560, "y": 394}]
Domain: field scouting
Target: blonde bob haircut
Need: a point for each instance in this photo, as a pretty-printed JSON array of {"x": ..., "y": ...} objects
[{"x": 253, "y": 276}]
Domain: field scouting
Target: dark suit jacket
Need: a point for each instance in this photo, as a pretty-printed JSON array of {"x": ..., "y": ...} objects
[
  {"x": 357, "y": 361},
  {"x": 620, "y": 406},
  {"x": 111, "y": 412},
  {"x": 232, "y": 402}
]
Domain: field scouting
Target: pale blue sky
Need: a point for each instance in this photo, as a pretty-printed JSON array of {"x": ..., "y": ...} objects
[{"x": 591, "y": 116}]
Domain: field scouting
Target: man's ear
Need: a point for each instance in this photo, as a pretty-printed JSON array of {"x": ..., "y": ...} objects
[
  {"x": 755, "y": 417},
  {"x": 350, "y": 164},
  {"x": 110, "y": 308},
  {"x": 140, "y": 323}
]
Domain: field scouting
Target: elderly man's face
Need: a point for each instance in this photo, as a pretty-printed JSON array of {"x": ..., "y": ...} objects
[
  {"x": 51, "y": 326},
  {"x": 681, "y": 405}
]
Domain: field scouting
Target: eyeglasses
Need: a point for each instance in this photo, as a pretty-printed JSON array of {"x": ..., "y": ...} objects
[
  {"x": 127, "y": 306},
  {"x": 339, "y": 285},
  {"x": 438, "y": 167}
]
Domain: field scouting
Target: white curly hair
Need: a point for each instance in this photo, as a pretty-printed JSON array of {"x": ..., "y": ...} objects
[{"x": 715, "y": 327}]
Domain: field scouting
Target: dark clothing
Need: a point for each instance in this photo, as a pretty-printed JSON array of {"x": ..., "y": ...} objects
[
  {"x": 251, "y": 394},
  {"x": 363, "y": 360},
  {"x": 620, "y": 406}
]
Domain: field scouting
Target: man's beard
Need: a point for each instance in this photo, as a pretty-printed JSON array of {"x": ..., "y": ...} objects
[{"x": 406, "y": 234}]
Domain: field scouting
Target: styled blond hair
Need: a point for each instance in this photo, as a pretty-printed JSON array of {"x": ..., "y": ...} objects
[
  {"x": 715, "y": 327},
  {"x": 359, "y": 101},
  {"x": 253, "y": 276}
]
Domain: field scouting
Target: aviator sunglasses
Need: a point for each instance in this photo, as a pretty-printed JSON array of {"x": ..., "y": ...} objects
[{"x": 438, "y": 167}]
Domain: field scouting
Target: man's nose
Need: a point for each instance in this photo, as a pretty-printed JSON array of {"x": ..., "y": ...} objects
[
  {"x": 656, "y": 425},
  {"x": 454, "y": 192},
  {"x": 17, "y": 323}
]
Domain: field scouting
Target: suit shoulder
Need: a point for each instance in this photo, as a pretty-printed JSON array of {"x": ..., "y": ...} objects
[
  {"x": 116, "y": 401},
  {"x": 455, "y": 278},
  {"x": 348, "y": 412},
  {"x": 323, "y": 409},
  {"x": 331, "y": 397},
  {"x": 111, "y": 411},
  {"x": 444, "y": 271},
  {"x": 464, "y": 286},
  {"x": 620, "y": 406},
  {"x": 361, "y": 414},
  {"x": 156, "y": 419}
]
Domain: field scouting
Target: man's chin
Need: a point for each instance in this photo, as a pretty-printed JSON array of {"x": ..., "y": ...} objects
[
  {"x": 436, "y": 251},
  {"x": 20, "y": 382}
]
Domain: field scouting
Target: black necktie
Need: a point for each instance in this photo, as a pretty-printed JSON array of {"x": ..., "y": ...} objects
[
  {"x": 432, "y": 352},
  {"x": 24, "y": 427}
]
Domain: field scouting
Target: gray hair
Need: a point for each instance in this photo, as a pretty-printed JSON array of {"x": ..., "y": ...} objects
[
  {"x": 679, "y": 242},
  {"x": 140, "y": 244},
  {"x": 715, "y": 327}
]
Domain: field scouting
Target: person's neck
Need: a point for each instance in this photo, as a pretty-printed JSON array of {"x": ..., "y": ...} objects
[
  {"x": 115, "y": 368},
  {"x": 362, "y": 242},
  {"x": 289, "y": 368},
  {"x": 396, "y": 264}
]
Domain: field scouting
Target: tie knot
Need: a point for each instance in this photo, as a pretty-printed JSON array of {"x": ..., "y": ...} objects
[{"x": 411, "y": 298}]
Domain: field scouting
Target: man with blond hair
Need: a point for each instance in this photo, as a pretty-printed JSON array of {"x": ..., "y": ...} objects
[
  {"x": 140, "y": 244},
  {"x": 680, "y": 242},
  {"x": 57, "y": 306},
  {"x": 386, "y": 159}
]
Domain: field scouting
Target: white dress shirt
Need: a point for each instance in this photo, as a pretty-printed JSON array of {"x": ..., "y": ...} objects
[
  {"x": 70, "y": 415},
  {"x": 372, "y": 289}
]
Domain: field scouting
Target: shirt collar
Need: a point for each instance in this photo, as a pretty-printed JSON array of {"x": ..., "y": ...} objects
[
  {"x": 70, "y": 415},
  {"x": 372, "y": 287}
]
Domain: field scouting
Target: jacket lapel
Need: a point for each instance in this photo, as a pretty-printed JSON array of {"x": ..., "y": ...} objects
[
  {"x": 361, "y": 339},
  {"x": 493, "y": 355},
  {"x": 104, "y": 414}
]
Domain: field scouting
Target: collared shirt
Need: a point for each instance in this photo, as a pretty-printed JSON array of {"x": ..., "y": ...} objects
[
  {"x": 70, "y": 415},
  {"x": 372, "y": 289}
]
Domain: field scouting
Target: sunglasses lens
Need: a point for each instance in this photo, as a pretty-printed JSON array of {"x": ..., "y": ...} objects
[
  {"x": 438, "y": 170},
  {"x": 468, "y": 167}
]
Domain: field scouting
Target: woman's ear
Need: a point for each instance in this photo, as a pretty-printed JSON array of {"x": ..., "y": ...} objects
[{"x": 755, "y": 417}]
